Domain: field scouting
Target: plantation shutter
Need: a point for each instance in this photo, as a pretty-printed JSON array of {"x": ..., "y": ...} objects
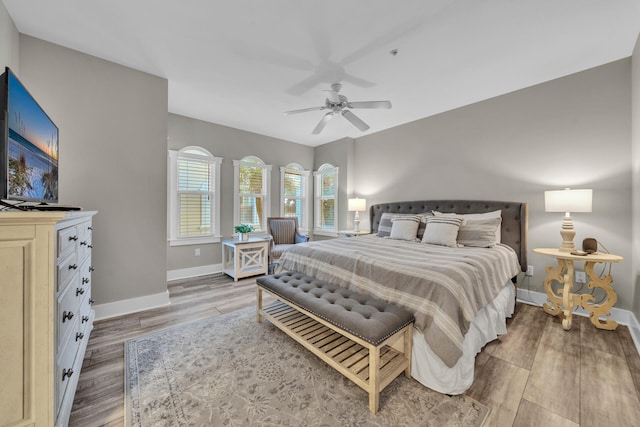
[
  {"x": 293, "y": 192},
  {"x": 251, "y": 195},
  {"x": 327, "y": 208},
  {"x": 195, "y": 197}
]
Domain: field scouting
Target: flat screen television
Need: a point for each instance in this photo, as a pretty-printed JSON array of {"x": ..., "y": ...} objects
[{"x": 28, "y": 145}]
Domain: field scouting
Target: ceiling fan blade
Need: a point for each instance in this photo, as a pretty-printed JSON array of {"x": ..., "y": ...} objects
[
  {"x": 304, "y": 110},
  {"x": 355, "y": 120},
  {"x": 369, "y": 104},
  {"x": 333, "y": 96},
  {"x": 323, "y": 123}
]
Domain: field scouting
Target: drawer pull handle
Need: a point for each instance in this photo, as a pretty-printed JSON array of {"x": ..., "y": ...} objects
[
  {"x": 66, "y": 315},
  {"x": 85, "y": 319},
  {"x": 85, "y": 280},
  {"x": 73, "y": 267},
  {"x": 79, "y": 336},
  {"x": 84, "y": 242},
  {"x": 90, "y": 228},
  {"x": 90, "y": 246},
  {"x": 73, "y": 238},
  {"x": 91, "y": 301},
  {"x": 79, "y": 291},
  {"x": 92, "y": 268},
  {"x": 66, "y": 373}
]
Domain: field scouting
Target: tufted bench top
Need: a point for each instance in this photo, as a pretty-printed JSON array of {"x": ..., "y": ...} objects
[{"x": 368, "y": 318}]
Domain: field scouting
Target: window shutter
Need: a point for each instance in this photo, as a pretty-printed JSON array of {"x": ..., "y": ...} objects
[{"x": 195, "y": 195}]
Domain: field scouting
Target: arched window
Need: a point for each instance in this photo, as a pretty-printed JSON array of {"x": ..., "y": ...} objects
[
  {"x": 252, "y": 179},
  {"x": 293, "y": 194},
  {"x": 326, "y": 200},
  {"x": 194, "y": 199}
]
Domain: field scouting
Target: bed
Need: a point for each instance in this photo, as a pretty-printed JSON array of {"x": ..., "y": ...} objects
[{"x": 460, "y": 296}]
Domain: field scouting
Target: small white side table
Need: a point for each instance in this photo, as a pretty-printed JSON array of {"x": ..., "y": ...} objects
[{"x": 244, "y": 258}]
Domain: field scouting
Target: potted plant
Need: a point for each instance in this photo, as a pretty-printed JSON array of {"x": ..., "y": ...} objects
[{"x": 243, "y": 231}]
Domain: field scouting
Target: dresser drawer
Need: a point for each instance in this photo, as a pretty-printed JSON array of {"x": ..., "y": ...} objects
[
  {"x": 66, "y": 269},
  {"x": 66, "y": 372},
  {"x": 85, "y": 240},
  {"x": 67, "y": 240},
  {"x": 68, "y": 314}
]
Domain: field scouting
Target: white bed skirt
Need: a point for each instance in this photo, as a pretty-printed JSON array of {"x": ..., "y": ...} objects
[{"x": 488, "y": 323}]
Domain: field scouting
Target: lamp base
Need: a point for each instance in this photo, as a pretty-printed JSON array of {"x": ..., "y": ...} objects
[
  {"x": 356, "y": 223},
  {"x": 568, "y": 233}
]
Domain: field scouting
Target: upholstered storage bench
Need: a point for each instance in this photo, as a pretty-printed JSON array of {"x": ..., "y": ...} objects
[{"x": 365, "y": 339}]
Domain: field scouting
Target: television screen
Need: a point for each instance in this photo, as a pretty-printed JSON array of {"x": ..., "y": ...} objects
[{"x": 30, "y": 147}]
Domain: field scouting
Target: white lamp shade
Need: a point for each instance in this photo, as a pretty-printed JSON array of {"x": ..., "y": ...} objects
[
  {"x": 357, "y": 205},
  {"x": 568, "y": 200}
]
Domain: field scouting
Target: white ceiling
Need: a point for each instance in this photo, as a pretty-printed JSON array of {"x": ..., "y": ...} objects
[{"x": 242, "y": 63}]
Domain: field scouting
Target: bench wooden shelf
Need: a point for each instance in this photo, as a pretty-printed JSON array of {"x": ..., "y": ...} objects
[{"x": 369, "y": 366}]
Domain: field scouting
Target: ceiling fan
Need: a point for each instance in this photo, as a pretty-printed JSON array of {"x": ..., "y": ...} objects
[{"x": 339, "y": 104}]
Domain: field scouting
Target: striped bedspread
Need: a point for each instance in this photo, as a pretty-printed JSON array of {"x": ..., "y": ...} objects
[{"x": 444, "y": 287}]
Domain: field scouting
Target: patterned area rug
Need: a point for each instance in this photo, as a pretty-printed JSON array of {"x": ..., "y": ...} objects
[{"x": 230, "y": 370}]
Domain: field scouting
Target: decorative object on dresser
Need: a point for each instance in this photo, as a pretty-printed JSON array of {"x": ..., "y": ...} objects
[
  {"x": 45, "y": 260},
  {"x": 356, "y": 205},
  {"x": 568, "y": 201},
  {"x": 565, "y": 301}
]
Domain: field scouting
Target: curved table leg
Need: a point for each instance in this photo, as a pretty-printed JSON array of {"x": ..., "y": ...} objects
[
  {"x": 598, "y": 310},
  {"x": 554, "y": 300},
  {"x": 567, "y": 297}
]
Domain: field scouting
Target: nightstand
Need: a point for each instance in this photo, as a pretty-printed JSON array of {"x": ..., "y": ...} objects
[
  {"x": 351, "y": 233},
  {"x": 563, "y": 273},
  {"x": 244, "y": 258}
]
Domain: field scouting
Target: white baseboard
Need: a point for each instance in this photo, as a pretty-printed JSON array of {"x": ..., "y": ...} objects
[
  {"x": 132, "y": 305},
  {"x": 185, "y": 273},
  {"x": 623, "y": 317}
]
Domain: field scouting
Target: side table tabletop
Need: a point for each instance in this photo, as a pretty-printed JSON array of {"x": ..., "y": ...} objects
[
  {"x": 563, "y": 273},
  {"x": 244, "y": 258},
  {"x": 351, "y": 233}
]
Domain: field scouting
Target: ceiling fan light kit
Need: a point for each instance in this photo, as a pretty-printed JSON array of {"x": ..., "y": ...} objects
[{"x": 339, "y": 104}]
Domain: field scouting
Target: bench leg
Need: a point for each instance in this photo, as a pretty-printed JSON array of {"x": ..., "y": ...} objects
[
  {"x": 408, "y": 341},
  {"x": 259, "y": 305},
  {"x": 374, "y": 379}
]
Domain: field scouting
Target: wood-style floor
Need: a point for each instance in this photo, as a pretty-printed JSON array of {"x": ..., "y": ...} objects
[{"x": 536, "y": 375}]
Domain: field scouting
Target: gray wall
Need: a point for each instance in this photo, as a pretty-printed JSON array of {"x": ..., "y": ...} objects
[
  {"x": 635, "y": 160},
  {"x": 230, "y": 144},
  {"x": 570, "y": 132},
  {"x": 9, "y": 41},
  {"x": 113, "y": 130}
]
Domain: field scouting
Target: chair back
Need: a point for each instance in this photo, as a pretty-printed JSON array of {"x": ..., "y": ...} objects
[{"x": 283, "y": 230}]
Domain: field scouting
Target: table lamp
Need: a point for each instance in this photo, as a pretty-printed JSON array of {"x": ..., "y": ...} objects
[
  {"x": 567, "y": 201},
  {"x": 356, "y": 205}
]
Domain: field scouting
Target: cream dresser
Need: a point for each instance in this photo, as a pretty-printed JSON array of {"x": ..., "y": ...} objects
[{"x": 45, "y": 313}]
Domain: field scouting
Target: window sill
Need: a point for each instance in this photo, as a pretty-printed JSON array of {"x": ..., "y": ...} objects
[
  {"x": 326, "y": 233},
  {"x": 194, "y": 241}
]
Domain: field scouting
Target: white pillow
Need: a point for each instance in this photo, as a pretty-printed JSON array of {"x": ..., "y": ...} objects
[
  {"x": 479, "y": 234},
  {"x": 404, "y": 227},
  {"x": 478, "y": 217},
  {"x": 442, "y": 230}
]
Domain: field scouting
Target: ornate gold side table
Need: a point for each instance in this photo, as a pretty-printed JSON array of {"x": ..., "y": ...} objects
[{"x": 563, "y": 274}]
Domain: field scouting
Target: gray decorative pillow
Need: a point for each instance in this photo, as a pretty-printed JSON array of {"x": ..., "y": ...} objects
[
  {"x": 479, "y": 234},
  {"x": 404, "y": 227},
  {"x": 384, "y": 228},
  {"x": 442, "y": 230},
  {"x": 478, "y": 217}
]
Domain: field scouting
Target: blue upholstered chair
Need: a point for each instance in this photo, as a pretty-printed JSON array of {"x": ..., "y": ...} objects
[{"x": 284, "y": 234}]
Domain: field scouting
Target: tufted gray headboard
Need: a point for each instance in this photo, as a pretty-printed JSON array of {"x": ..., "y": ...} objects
[{"x": 515, "y": 217}]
